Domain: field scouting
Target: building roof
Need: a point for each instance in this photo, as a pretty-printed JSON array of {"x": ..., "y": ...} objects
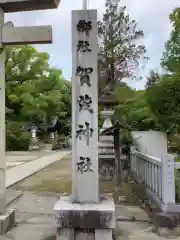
[{"x": 110, "y": 131}]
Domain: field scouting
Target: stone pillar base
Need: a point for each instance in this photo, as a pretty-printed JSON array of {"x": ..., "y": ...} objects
[
  {"x": 77, "y": 221},
  {"x": 7, "y": 220}
]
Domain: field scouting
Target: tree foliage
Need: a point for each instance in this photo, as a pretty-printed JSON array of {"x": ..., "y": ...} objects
[
  {"x": 164, "y": 101},
  {"x": 35, "y": 91},
  {"x": 171, "y": 56},
  {"x": 119, "y": 52},
  {"x": 16, "y": 137},
  {"x": 152, "y": 79},
  {"x": 133, "y": 110},
  {"x": 163, "y": 92}
]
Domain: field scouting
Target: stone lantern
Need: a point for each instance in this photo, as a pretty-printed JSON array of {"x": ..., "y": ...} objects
[
  {"x": 107, "y": 163},
  {"x": 108, "y": 102},
  {"x": 8, "y": 111}
]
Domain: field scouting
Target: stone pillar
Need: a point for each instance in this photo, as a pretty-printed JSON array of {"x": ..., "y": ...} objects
[
  {"x": 7, "y": 216},
  {"x": 106, "y": 148},
  {"x": 85, "y": 122},
  {"x": 84, "y": 214},
  {"x": 168, "y": 180},
  {"x": 2, "y": 125}
]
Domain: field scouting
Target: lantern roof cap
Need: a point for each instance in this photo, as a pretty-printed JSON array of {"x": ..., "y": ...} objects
[{"x": 108, "y": 99}]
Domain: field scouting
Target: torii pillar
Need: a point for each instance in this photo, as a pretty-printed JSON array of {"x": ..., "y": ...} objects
[{"x": 10, "y": 35}]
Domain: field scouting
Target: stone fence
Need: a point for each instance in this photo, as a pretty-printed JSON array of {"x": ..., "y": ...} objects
[{"x": 160, "y": 178}]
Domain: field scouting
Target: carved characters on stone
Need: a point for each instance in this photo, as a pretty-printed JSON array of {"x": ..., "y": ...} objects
[
  {"x": 85, "y": 103},
  {"x": 84, "y": 130},
  {"x": 84, "y": 26},
  {"x": 84, "y": 100},
  {"x": 83, "y": 46},
  {"x": 84, "y": 74},
  {"x": 84, "y": 165}
]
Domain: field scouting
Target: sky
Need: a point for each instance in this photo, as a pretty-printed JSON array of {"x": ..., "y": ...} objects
[{"x": 152, "y": 17}]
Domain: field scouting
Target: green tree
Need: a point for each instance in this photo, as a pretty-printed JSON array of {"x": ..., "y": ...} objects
[
  {"x": 35, "y": 91},
  {"x": 152, "y": 79},
  {"x": 171, "y": 56},
  {"x": 163, "y": 96},
  {"x": 164, "y": 102},
  {"x": 133, "y": 110},
  {"x": 119, "y": 53},
  {"x": 16, "y": 137}
]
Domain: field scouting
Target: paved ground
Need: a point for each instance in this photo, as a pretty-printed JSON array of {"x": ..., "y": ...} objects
[
  {"x": 55, "y": 178},
  {"x": 16, "y": 158},
  {"x": 139, "y": 229},
  {"x": 16, "y": 174},
  {"x": 34, "y": 208},
  {"x": 35, "y": 220}
]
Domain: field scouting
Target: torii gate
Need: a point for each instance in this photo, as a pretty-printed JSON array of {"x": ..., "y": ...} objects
[{"x": 10, "y": 35}]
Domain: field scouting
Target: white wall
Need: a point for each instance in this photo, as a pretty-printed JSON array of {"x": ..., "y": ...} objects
[{"x": 153, "y": 143}]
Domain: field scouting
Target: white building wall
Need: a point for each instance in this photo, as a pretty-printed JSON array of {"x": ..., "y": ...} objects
[{"x": 153, "y": 143}]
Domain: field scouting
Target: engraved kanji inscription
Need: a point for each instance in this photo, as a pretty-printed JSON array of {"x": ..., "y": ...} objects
[
  {"x": 84, "y": 74},
  {"x": 84, "y": 26},
  {"x": 83, "y": 46},
  {"x": 84, "y": 165},
  {"x": 84, "y": 130},
  {"x": 85, "y": 103}
]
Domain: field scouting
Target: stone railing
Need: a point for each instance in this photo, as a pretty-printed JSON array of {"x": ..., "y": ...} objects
[{"x": 158, "y": 177}]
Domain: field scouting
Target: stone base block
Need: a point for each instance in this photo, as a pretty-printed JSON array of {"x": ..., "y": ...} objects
[
  {"x": 74, "y": 220},
  {"x": 7, "y": 220},
  {"x": 81, "y": 234}
]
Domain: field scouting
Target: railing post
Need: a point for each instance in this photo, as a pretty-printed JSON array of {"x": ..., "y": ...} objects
[{"x": 168, "y": 183}]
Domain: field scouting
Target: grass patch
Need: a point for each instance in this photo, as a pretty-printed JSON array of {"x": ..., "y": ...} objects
[
  {"x": 130, "y": 196},
  {"x": 67, "y": 158},
  {"x": 53, "y": 237},
  {"x": 53, "y": 186},
  {"x": 107, "y": 186},
  {"x": 55, "y": 178}
]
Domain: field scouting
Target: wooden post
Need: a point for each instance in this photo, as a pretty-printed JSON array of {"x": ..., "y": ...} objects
[{"x": 117, "y": 157}]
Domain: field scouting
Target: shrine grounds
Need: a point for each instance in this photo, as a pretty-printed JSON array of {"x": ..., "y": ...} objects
[
  {"x": 40, "y": 192},
  {"x": 56, "y": 178}
]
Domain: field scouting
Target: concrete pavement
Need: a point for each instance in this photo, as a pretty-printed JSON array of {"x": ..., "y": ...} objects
[
  {"x": 18, "y": 173},
  {"x": 34, "y": 220}
]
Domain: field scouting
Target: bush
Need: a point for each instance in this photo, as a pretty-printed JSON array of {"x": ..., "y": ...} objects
[
  {"x": 17, "y": 138},
  {"x": 174, "y": 144}
]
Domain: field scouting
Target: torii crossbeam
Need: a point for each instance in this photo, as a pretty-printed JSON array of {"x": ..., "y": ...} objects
[{"x": 27, "y": 5}]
